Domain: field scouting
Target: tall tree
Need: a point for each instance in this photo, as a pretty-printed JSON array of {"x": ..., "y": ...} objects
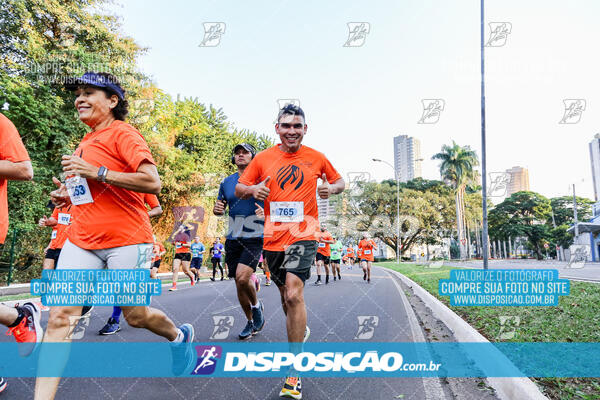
[{"x": 457, "y": 168}]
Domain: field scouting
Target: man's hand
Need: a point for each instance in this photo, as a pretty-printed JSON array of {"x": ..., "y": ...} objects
[
  {"x": 261, "y": 191},
  {"x": 73, "y": 165},
  {"x": 323, "y": 189},
  {"x": 259, "y": 211},
  {"x": 219, "y": 208},
  {"x": 60, "y": 196}
]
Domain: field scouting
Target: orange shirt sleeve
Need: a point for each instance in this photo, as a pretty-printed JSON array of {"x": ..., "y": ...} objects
[
  {"x": 330, "y": 172},
  {"x": 151, "y": 200},
  {"x": 133, "y": 148},
  {"x": 11, "y": 145},
  {"x": 252, "y": 173}
]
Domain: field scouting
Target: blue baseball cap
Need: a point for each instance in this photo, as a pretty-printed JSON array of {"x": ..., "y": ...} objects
[{"x": 97, "y": 80}]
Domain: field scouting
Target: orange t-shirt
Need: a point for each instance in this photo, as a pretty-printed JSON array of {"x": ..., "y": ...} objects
[
  {"x": 11, "y": 149},
  {"x": 324, "y": 248},
  {"x": 367, "y": 247},
  {"x": 61, "y": 229},
  {"x": 117, "y": 217},
  {"x": 350, "y": 252},
  {"x": 156, "y": 250},
  {"x": 359, "y": 253},
  {"x": 181, "y": 239},
  {"x": 294, "y": 178}
]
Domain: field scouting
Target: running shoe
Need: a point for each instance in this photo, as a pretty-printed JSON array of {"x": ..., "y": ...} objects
[
  {"x": 247, "y": 332},
  {"x": 268, "y": 282},
  {"x": 28, "y": 333},
  {"x": 318, "y": 282},
  {"x": 327, "y": 280},
  {"x": 306, "y": 334},
  {"x": 212, "y": 279},
  {"x": 3, "y": 384},
  {"x": 86, "y": 310},
  {"x": 339, "y": 277},
  {"x": 172, "y": 288},
  {"x": 192, "y": 281},
  {"x": 292, "y": 388},
  {"x": 334, "y": 278},
  {"x": 258, "y": 317},
  {"x": 111, "y": 327},
  {"x": 183, "y": 353},
  {"x": 369, "y": 280}
]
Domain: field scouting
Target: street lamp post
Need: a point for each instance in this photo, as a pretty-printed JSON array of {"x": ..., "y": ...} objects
[
  {"x": 397, "y": 208},
  {"x": 484, "y": 235}
]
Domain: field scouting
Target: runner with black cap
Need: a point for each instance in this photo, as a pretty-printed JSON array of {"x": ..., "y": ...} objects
[{"x": 243, "y": 247}]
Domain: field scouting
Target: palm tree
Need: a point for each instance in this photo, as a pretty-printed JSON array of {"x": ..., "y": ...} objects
[{"x": 457, "y": 169}]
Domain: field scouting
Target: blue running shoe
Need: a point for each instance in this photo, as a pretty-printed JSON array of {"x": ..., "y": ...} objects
[
  {"x": 247, "y": 332},
  {"x": 184, "y": 359},
  {"x": 111, "y": 327},
  {"x": 258, "y": 317}
]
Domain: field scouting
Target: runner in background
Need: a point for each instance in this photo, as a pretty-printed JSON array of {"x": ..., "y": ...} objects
[
  {"x": 113, "y": 324},
  {"x": 286, "y": 178},
  {"x": 367, "y": 246},
  {"x": 183, "y": 258},
  {"x": 350, "y": 255},
  {"x": 158, "y": 250},
  {"x": 198, "y": 250},
  {"x": 23, "y": 322},
  {"x": 323, "y": 253},
  {"x": 244, "y": 242},
  {"x": 335, "y": 257},
  {"x": 216, "y": 252},
  {"x": 263, "y": 265},
  {"x": 106, "y": 177},
  {"x": 59, "y": 221}
]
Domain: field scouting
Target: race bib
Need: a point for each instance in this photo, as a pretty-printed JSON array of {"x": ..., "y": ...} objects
[
  {"x": 79, "y": 191},
  {"x": 367, "y": 252},
  {"x": 287, "y": 211},
  {"x": 64, "y": 219},
  {"x": 322, "y": 245},
  {"x": 54, "y": 232}
]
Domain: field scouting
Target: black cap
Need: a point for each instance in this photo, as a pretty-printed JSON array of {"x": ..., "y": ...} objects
[{"x": 246, "y": 146}]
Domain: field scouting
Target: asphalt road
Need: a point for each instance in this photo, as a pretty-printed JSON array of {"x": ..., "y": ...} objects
[{"x": 333, "y": 315}]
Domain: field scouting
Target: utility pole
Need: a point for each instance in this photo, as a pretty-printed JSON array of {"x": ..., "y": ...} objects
[
  {"x": 575, "y": 213},
  {"x": 483, "y": 155}
]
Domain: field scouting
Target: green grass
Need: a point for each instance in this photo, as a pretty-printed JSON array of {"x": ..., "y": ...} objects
[{"x": 575, "y": 319}]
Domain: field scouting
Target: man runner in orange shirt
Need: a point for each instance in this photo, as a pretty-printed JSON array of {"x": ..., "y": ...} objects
[
  {"x": 323, "y": 254},
  {"x": 285, "y": 177},
  {"x": 366, "y": 248}
]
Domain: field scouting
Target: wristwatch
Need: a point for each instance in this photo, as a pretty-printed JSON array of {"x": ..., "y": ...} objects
[{"x": 102, "y": 174}]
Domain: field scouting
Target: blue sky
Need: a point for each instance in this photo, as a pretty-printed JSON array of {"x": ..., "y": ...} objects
[{"x": 357, "y": 98}]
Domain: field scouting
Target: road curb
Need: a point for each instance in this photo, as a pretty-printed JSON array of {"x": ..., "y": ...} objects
[{"x": 506, "y": 388}]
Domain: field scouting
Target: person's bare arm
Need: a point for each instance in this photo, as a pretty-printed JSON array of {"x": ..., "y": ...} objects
[
  {"x": 16, "y": 171},
  {"x": 155, "y": 212}
]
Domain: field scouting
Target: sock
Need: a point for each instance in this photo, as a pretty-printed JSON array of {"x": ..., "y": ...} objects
[
  {"x": 256, "y": 305},
  {"x": 116, "y": 313},
  {"x": 19, "y": 318},
  {"x": 179, "y": 337},
  {"x": 268, "y": 273},
  {"x": 318, "y": 277},
  {"x": 174, "y": 284}
]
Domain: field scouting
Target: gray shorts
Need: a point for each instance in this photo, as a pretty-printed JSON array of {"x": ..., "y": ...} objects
[{"x": 124, "y": 257}]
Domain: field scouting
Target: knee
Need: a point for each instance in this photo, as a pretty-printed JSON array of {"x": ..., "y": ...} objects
[
  {"x": 242, "y": 280},
  {"x": 293, "y": 298},
  {"x": 136, "y": 320}
]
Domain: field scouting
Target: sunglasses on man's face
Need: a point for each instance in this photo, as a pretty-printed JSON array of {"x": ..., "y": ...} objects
[{"x": 285, "y": 125}]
